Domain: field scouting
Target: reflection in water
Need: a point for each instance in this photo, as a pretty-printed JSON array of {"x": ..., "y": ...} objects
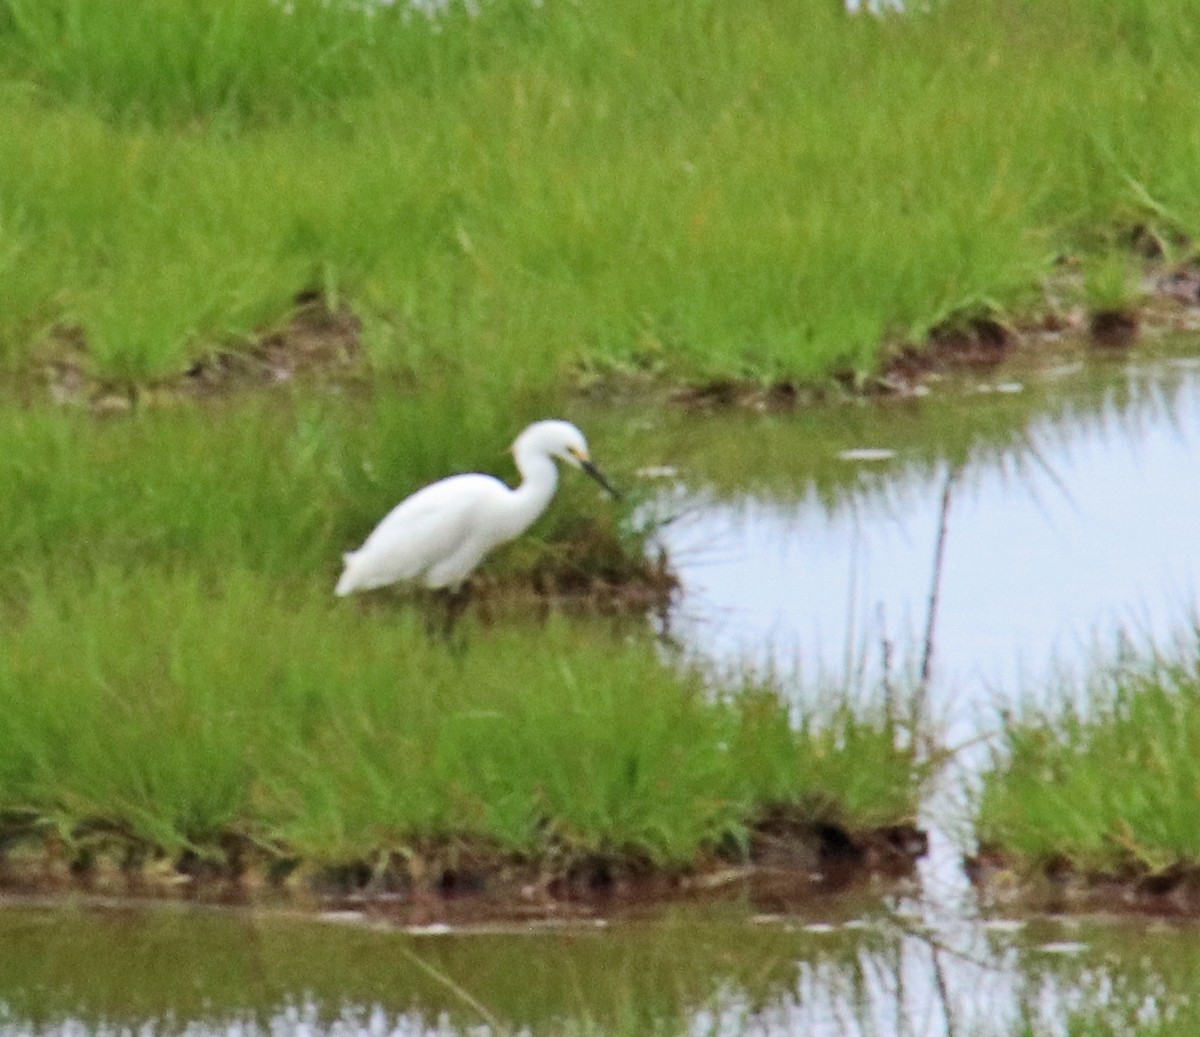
[
  {"x": 160, "y": 972},
  {"x": 211, "y": 972}
]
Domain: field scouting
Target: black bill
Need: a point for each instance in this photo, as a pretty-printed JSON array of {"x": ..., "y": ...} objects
[{"x": 598, "y": 475}]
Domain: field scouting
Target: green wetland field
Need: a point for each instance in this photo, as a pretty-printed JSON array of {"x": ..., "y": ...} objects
[
  {"x": 805, "y": 278},
  {"x": 540, "y": 194}
]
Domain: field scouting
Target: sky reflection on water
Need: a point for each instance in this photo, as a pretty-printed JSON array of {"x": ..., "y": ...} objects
[{"x": 1084, "y": 529}]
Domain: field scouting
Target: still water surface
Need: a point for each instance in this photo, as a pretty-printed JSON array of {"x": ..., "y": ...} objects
[
  {"x": 201, "y": 972},
  {"x": 806, "y": 542},
  {"x": 1073, "y": 519}
]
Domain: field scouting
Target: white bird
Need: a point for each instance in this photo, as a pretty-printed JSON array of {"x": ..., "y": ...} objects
[{"x": 438, "y": 535}]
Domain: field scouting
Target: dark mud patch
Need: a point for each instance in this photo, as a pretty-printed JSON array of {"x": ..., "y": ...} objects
[
  {"x": 1060, "y": 885},
  {"x": 1169, "y": 303},
  {"x": 315, "y": 342},
  {"x": 1114, "y": 329},
  {"x": 645, "y": 586},
  {"x": 776, "y": 396},
  {"x": 976, "y": 343},
  {"x": 587, "y": 572},
  {"x": 787, "y": 863},
  {"x": 592, "y": 569}
]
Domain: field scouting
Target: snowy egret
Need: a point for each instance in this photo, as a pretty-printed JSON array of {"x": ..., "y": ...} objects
[{"x": 438, "y": 535}]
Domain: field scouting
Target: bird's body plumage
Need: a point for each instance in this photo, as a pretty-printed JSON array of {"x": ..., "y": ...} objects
[
  {"x": 440, "y": 534},
  {"x": 437, "y": 536}
]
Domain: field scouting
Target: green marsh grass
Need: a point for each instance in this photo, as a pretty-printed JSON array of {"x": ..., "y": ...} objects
[
  {"x": 536, "y": 190},
  {"x": 175, "y": 710},
  {"x": 1112, "y": 283},
  {"x": 1107, "y": 774},
  {"x": 218, "y": 60}
]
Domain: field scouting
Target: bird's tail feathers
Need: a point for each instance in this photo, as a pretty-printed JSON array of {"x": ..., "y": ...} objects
[{"x": 348, "y": 582}]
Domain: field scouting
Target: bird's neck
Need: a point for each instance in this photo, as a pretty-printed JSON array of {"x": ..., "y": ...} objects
[{"x": 539, "y": 480}]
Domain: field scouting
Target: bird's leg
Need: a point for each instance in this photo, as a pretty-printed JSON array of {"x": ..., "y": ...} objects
[{"x": 454, "y": 602}]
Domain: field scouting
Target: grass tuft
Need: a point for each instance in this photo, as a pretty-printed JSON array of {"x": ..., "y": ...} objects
[
  {"x": 1106, "y": 777},
  {"x": 137, "y": 704}
]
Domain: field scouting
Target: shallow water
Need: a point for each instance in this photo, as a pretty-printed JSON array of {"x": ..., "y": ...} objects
[
  {"x": 200, "y": 971},
  {"x": 807, "y": 541},
  {"x": 1071, "y": 523}
]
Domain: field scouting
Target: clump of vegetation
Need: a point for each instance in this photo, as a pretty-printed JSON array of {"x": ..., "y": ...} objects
[
  {"x": 150, "y": 715},
  {"x": 1104, "y": 779},
  {"x": 1112, "y": 290}
]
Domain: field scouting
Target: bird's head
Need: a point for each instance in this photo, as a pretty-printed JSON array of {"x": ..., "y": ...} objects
[{"x": 563, "y": 441}]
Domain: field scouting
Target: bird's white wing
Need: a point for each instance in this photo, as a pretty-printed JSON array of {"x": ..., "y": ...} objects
[{"x": 419, "y": 532}]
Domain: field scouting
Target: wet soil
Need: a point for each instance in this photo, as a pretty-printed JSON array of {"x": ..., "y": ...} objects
[
  {"x": 315, "y": 341},
  {"x": 315, "y": 338},
  {"x": 1170, "y": 303},
  {"x": 1061, "y": 886},
  {"x": 588, "y": 574},
  {"x": 790, "y": 860}
]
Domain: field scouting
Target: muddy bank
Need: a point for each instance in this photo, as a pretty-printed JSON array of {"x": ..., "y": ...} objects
[
  {"x": 589, "y": 575},
  {"x": 1170, "y": 304},
  {"x": 316, "y": 342},
  {"x": 788, "y": 861},
  {"x": 321, "y": 344},
  {"x": 1060, "y": 885}
]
